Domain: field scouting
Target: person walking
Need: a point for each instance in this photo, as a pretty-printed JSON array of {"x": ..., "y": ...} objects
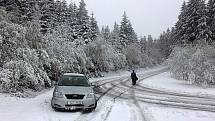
[{"x": 134, "y": 77}]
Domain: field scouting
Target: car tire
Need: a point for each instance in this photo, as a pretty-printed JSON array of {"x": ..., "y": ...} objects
[
  {"x": 95, "y": 105},
  {"x": 56, "y": 109},
  {"x": 91, "y": 109}
]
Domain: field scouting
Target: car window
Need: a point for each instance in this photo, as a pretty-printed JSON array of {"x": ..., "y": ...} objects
[{"x": 73, "y": 81}]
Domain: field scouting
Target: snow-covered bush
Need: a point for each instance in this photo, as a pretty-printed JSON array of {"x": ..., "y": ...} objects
[
  {"x": 66, "y": 55},
  {"x": 33, "y": 35},
  {"x": 194, "y": 64},
  {"x": 133, "y": 56},
  {"x": 5, "y": 80},
  {"x": 179, "y": 62},
  {"x": 21, "y": 66},
  {"x": 1, "y": 39},
  {"x": 19, "y": 75},
  {"x": 104, "y": 57},
  {"x": 26, "y": 71},
  {"x": 12, "y": 37}
]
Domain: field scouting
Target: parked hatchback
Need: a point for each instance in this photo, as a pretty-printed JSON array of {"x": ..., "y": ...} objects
[{"x": 73, "y": 91}]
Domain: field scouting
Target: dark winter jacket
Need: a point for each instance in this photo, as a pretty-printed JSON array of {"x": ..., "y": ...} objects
[{"x": 134, "y": 76}]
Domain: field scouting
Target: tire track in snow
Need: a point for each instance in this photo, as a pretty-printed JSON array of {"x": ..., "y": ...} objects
[
  {"x": 170, "y": 99},
  {"x": 133, "y": 97},
  {"x": 108, "y": 110},
  {"x": 119, "y": 92},
  {"x": 132, "y": 111}
]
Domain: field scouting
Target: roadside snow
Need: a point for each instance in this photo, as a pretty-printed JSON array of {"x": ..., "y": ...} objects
[
  {"x": 165, "y": 82},
  {"x": 22, "y": 109},
  {"x": 173, "y": 114}
]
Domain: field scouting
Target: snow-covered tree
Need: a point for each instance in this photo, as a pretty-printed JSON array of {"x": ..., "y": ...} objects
[
  {"x": 94, "y": 29},
  {"x": 133, "y": 55},
  {"x": 116, "y": 32},
  {"x": 180, "y": 26},
  {"x": 83, "y": 21},
  {"x": 47, "y": 15},
  {"x": 166, "y": 42},
  {"x": 58, "y": 19},
  {"x": 193, "y": 64},
  {"x": 204, "y": 35},
  {"x": 13, "y": 7},
  {"x": 105, "y": 33},
  {"x": 211, "y": 17},
  {"x": 196, "y": 22},
  {"x": 127, "y": 33},
  {"x": 73, "y": 20},
  {"x": 33, "y": 35}
]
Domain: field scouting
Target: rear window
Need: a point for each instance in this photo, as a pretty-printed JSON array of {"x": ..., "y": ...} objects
[{"x": 67, "y": 80}]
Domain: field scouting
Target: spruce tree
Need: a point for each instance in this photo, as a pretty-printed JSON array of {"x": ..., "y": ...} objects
[
  {"x": 64, "y": 12},
  {"x": 47, "y": 15},
  {"x": 143, "y": 44},
  {"x": 25, "y": 9},
  {"x": 83, "y": 21},
  {"x": 115, "y": 34},
  {"x": 94, "y": 29},
  {"x": 14, "y": 7},
  {"x": 195, "y": 24},
  {"x": 105, "y": 32},
  {"x": 127, "y": 34},
  {"x": 180, "y": 31},
  {"x": 57, "y": 14},
  {"x": 204, "y": 35},
  {"x": 72, "y": 20},
  {"x": 211, "y": 18},
  {"x": 116, "y": 31}
]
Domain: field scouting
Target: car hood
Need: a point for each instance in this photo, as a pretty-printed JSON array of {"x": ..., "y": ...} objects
[{"x": 73, "y": 89}]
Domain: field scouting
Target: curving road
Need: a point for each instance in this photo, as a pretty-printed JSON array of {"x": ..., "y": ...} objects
[{"x": 121, "y": 89}]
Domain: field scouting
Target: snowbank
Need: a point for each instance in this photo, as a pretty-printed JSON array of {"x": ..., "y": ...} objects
[{"x": 165, "y": 82}]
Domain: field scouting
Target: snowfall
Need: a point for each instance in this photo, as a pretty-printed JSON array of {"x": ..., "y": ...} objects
[{"x": 37, "y": 108}]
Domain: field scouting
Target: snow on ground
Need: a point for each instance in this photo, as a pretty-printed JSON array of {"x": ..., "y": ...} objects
[
  {"x": 120, "y": 112},
  {"x": 38, "y": 108},
  {"x": 165, "y": 82},
  {"x": 173, "y": 114},
  {"x": 122, "y": 73},
  {"x": 22, "y": 109}
]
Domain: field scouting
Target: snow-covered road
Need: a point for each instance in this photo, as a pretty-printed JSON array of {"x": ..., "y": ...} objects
[{"x": 119, "y": 102}]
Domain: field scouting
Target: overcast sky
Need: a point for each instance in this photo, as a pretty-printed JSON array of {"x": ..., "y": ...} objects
[{"x": 147, "y": 16}]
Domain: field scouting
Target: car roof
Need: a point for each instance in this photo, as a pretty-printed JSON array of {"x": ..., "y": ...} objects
[{"x": 73, "y": 74}]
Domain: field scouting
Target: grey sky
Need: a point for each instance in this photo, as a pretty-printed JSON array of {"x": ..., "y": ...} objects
[{"x": 147, "y": 16}]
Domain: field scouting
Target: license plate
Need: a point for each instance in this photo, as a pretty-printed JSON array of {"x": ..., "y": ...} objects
[
  {"x": 74, "y": 102},
  {"x": 71, "y": 108}
]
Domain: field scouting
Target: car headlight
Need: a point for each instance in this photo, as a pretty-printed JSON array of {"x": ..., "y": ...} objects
[
  {"x": 91, "y": 95},
  {"x": 58, "y": 94}
]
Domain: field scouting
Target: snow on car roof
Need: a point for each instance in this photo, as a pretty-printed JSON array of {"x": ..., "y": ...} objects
[{"x": 73, "y": 74}]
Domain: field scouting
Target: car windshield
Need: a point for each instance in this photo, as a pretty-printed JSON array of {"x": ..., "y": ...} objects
[{"x": 67, "y": 80}]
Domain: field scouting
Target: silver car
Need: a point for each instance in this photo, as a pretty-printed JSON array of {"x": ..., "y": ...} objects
[{"x": 73, "y": 91}]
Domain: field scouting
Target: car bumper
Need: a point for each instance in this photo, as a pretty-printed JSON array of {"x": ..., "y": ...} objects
[{"x": 62, "y": 103}]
